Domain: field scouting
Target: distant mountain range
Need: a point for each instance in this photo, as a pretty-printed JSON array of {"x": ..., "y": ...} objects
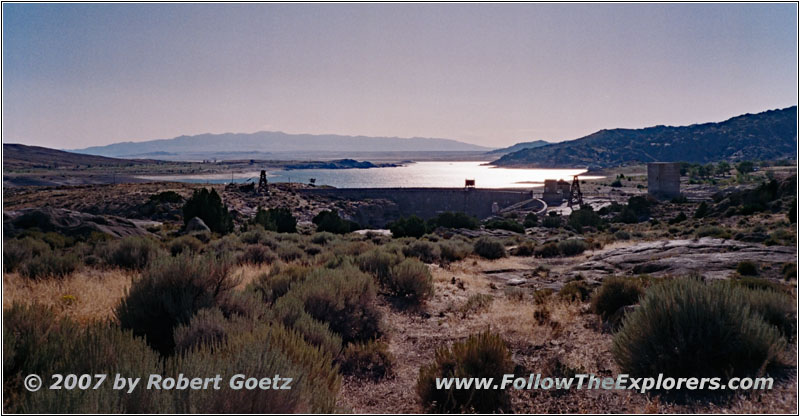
[
  {"x": 518, "y": 147},
  {"x": 273, "y": 144},
  {"x": 767, "y": 135}
]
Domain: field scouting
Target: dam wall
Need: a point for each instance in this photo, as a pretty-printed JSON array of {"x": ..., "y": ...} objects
[{"x": 423, "y": 202}]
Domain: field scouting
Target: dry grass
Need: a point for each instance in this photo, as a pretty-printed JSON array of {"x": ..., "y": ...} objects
[{"x": 85, "y": 296}]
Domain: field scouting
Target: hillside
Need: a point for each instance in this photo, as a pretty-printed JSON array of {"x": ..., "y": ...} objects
[
  {"x": 768, "y": 135},
  {"x": 20, "y": 157},
  {"x": 276, "y": 143},
  {"x": 518, "y": 147}
]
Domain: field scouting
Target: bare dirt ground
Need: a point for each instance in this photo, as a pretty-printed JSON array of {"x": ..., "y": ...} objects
[{"x": 571, "y": 340}]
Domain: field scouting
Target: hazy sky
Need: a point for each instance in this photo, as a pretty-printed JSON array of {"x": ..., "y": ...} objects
[{"x": 89, "y": 74}]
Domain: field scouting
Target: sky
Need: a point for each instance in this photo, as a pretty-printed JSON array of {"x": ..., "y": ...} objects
[{"x": 77, "y": 75}]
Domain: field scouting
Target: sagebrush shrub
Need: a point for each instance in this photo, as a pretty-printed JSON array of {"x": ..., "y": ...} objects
[
  {"x": 426, "y": 251},
  {"x": 289, "y": 252},
  {"x": 257, "y": 234},
  {"x": 483, "y": 355},
  {"x": 685, "y": 328},
  {"x": 322, "y": 238},
  {"x": 290, "y": 312},
  {"x": 186, "y": 243},
  {"x": 17, "y": 251},
  {"x": 379, "y": 263},
  {"x": 526, "y": 248},
  {"x": 131, "y": 252},
  {"x": 489, "y": 248},
  {"x": 257, "y": 254},
  {"x": 207, "y": 327},
  {"x": 548, "y": 250},
  {"x": 615, "y": 293},
  {"x": 35, "y": 341},
  {"x": 266, "y": 351},
  {"x": 410, "y": 279},
  {"x": 454, "y": 250},
  {"x": 275, "y": 284},
  {"x": 169, "y": 293},
  {"x": 575, "y": 291},
  {"x": 368, "y": 360},
  {"x": 50, "y": 264},
  {"x": 344, "y": 298},
  {"x": 572, "y": 247}
]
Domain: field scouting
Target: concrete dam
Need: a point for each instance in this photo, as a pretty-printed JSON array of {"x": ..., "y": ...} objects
[{"x": 422, "y": 202}]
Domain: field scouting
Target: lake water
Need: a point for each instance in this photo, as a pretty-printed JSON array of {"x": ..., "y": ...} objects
[{"x": 418, "y": 174}]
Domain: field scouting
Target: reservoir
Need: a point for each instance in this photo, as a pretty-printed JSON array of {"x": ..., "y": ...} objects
[{"x": 444, "y": 174}]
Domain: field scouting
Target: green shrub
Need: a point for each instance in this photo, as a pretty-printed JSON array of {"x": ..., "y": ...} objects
[
  {"x": 702, "y": 210},
  {"x": 584, "y": 217},
  {"x": 713, "y": 231},
  {"x": 622, "y": 235},
  {"x": 278, "y": 220},
  {"x": 50, "y": 264},
  {"x": 454, "y": 220},
  {"x": 616, "y": 183},
  {"x": 207, "y": 205},
  {"x": 454, "y": 250},
  {"x": 531, "y": 220},
  {"x": 548, "y": 250},
  {"x": 257, "y": 255},
  {"x": 483, "y": 355},
  {"x": 489, "y": 248},
  {"x": 413, "y": 226},
  {"x": 551, "y": 222},
  {"x": 17, "y": 251},
  {"x": 411, "y": 280},
  {"x": 615, "y": 293},
  {"x": 572, "y": 247},
  {"x": 329, "y": 221},
  {"x": 185, "y": 244},
  {"x": 684, "y": 328},
  {"x": 370, "y": 360},
  {"x": 36, "y": 342},
  {"x": 167, "y": 197},
  {"x": 426, "y": 251},
  {"x": 504, "y": 224},
  {"x": 169, "y": 293},
  {"x": 344, "y": 298},
  {"x": 131, "y": 252},
  {"x": 681, "y": 217},
  {"x": 789, "y": 270},
  {"x": 747, "y": 268}
]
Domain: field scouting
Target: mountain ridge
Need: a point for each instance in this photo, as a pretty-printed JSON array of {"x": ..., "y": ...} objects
[{"x": 771, "y": 134}]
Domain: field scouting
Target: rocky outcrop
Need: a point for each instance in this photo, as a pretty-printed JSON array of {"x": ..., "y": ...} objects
[
  {"x": 709, "y": 257},
  {"x": 69, "y": 222}
]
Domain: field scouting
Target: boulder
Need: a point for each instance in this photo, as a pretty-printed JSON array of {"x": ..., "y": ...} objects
[{"x": 196, "y": 225}]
